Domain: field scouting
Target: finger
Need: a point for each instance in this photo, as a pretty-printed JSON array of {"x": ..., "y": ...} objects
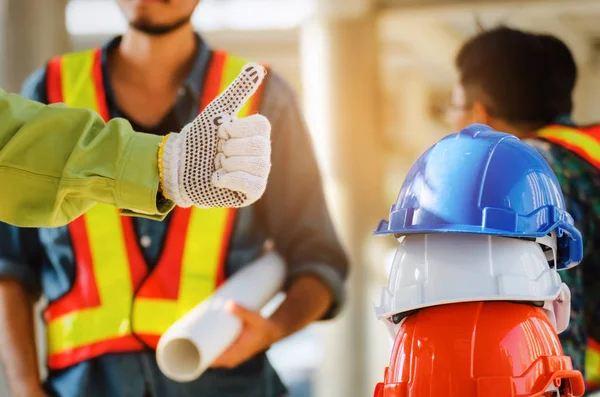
[
  {"x": 220, "y": 362},
  {"x": 250, "y": 185},
  {"x": 255, "y": 125},
  {"x": 250, "y": 146},
  {"x": 225, "y": 360},
  {"x": 230, "y": 359},
  {"x": 230, "y": 101},
  {"x": 246, "y": 315},
  {"x": 219, "y": 160},
  {"x": 258, "y": 166}
]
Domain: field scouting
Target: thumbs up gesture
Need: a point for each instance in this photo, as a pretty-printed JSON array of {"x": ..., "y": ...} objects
[{"x": 218, "y": 160}]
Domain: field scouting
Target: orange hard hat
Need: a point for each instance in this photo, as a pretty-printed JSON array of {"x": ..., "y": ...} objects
[{"x": 479, "y": 349}]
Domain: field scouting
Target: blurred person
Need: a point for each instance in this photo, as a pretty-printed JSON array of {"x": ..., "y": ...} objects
[
  {"x": 53, "y": 181},
  {"x": 522, "y": 83},
  {"x": 158, "y": 75}
]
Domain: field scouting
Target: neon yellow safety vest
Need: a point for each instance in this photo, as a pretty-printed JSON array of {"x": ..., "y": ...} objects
[{"x": 115, "y": 304}]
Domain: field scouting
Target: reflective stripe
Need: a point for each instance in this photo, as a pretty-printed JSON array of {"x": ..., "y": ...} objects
[
  {"x": 199, "y": 267},
  {"x": 592, "y": 363},
  {"x": 76, "y": 88},
  {"x": 214, "y": 77},
  {"x": 54, "y": 80},
  {"x": 113, "y": 281},
  {"x": 585, "y": 145},
  {"x": 96, "y": 316}
]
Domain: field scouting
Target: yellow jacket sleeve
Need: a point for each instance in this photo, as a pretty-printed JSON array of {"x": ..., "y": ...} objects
[{"x": 57, "y": 162}]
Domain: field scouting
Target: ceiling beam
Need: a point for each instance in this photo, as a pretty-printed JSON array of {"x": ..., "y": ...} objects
[
  {"x": 429, "y": 30},
  {"x": 431, "y": 43},
  {"x": 398, "y": 10}
]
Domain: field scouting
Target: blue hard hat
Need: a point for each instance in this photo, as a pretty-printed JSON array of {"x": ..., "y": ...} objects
[{"x": 480, "y": 181}]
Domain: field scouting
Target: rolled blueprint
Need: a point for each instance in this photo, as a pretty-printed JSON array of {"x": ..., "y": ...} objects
[{"x": 196, "y": 340}]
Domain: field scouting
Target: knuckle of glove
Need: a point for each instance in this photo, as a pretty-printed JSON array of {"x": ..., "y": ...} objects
[
  {"x": 255, "y": 125},
  {"x": 250, "y": 185},
  {"x": 258, "y": 166},
  {"x": 248, "y": 146}
]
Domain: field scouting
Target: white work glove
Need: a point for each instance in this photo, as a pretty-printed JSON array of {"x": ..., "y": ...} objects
[{"x": 218, "y": 160}]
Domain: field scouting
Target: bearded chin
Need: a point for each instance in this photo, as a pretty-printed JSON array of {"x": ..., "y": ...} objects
[{"x": 153, "y": 29}]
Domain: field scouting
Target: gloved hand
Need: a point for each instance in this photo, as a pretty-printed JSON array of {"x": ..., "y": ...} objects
[{"x": 218, "y": 160}]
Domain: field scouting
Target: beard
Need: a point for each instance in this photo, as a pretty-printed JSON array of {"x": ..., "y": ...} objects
[{"x": 154, "y": 29}]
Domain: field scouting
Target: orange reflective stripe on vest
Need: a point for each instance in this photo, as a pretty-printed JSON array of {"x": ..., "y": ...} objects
[
  {"x": 583, "y": 141},
  {"x": 76, "y": 80},
  {"x": 114, "y": 305}
]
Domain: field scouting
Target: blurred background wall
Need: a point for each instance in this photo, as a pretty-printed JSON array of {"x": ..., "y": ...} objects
[{"x": 374, "y": 77}]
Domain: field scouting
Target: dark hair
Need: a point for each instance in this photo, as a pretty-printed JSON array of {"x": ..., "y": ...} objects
[{"x": 520, "y": 77}]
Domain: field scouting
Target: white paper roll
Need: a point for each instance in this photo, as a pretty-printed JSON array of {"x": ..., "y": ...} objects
[{"x": 196, "y": 340}]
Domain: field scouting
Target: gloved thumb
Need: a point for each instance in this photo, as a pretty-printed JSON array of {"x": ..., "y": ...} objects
[{"x": 231, "y": 101}]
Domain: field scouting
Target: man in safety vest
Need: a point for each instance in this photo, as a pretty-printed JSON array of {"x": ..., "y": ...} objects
[
  {"x": 115, "y": 284},
  {"x": 522, "y": 83}
]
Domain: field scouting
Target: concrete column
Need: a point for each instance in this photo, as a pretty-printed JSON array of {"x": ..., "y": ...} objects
[
  {"x": 586, "y": 92},
  {"x": 34, "y": 31},
  {"x": 3, "y": 35},
  {"x": 341, "y": 87},
  {"x": 31, "y": 31}
]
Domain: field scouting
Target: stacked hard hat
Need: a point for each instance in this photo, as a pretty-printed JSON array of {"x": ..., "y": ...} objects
[
  {"x": 483, "y": 349},
  {"x": 474, "y": 297}
]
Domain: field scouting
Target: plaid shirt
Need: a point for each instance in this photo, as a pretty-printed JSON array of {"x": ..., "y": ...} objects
[{"x": 580, "y": 183}]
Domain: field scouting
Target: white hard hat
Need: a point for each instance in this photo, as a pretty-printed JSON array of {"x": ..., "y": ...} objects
[{"x": 442, "y": 268}]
